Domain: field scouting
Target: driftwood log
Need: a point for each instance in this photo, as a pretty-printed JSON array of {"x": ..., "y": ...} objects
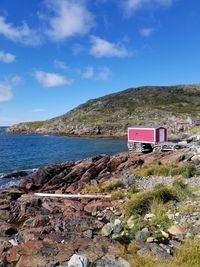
[{"x": 71, "y": 196}]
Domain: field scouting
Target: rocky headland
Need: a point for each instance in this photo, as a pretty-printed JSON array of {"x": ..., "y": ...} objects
[
  {"x": 152, "y": 217},
  {"x": 112, "y": 114}
]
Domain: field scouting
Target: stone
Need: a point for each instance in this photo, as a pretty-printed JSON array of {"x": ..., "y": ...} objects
[
  {"x": 74, "y": 205},
  {"x": 195, "y": 158},
  {"x": 142, "y": 235},
  {"x": 107, "y": 229},
  {"x": 117, "y": 221},
  {"x": 150, "y": 239},
  {"x": 117, "y": 228},
  {"x": 88, "y": 233},
  {"x": 96, "y": 205},
  {"x": 176, "y": 230},
  {"x": 4, "y": 215},
  {"x": 78, "y": 261},
  {"x": 174, "y": 243},
  {"x": 166, "y": 248},
  {"x": 158, "y": 251},
  {"x": 170, "y": 216},
  {"x": 130, "y": 222},
  {"x": 110, "y": 261},
  {"x": 166, "y": 235},
  {"x": 145, "y": 250},
  {"x": 149, "y": 216}
]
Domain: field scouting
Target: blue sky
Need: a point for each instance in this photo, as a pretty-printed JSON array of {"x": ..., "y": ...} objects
[{"x": 56, "y": 54}]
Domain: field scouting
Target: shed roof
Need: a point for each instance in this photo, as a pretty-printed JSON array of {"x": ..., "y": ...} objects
[{"x": 148, "y": 127}]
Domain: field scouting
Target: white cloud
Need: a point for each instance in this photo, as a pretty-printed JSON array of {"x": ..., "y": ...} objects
[
  {"x": 48, "y": 79},
  {"x": 88, "y": 73},
  {"x": 146, "y": 32},
  {"x": 100, "y": 74},
  {"x": 6, "y": 88},
  {"x": 21, "y": 34},
  {"x": 7, "y": 57},
  {"x": 132, "y": 6},
  {"x": 103, "y": 74},
  {"x": 103, "y": 48},
  {"x": 60, "y": 65},
  {"x": 67, "y": 18},
  {"x": 5, "y": 92}
]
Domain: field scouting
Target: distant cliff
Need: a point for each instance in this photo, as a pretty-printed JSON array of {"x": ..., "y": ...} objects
[{"x": 112, "y": 114}]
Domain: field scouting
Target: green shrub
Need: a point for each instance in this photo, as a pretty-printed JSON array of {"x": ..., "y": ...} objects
[
  {"x": 185, "y": 171},
  {"x": 181, "y": 189},
  {"x": 159, "y": 210},
  {"x": 35, "y": 124},
  {"x": 141, "y": 203},
  {"x": 110, "y": 186},
  {"x": 133, "y": 189},
  {"x": 92, "y": 189}
]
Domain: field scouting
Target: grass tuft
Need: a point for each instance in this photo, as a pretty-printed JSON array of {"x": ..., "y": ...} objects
[
  {"x": 156, "y": 169},
  {"x": 107, "y": 186},
  {"x": 141, "y": 203}
]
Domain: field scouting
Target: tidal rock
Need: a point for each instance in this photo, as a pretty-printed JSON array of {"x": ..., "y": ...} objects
[{"x": 15, "y": 174}]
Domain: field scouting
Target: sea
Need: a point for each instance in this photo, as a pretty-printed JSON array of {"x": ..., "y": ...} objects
[{"x": 29, "y": 152}]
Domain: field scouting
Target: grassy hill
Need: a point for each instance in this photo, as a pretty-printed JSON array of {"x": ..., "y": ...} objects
[{"x": 112, "y": 114}]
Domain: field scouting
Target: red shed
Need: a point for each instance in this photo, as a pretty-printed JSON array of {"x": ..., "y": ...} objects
[{"x": 148, "y": 135}]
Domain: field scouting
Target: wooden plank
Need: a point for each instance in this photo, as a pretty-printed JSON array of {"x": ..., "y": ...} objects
[{"x": 71, "y": 196}]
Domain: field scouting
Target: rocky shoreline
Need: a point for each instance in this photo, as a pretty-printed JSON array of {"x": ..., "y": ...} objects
[
  {"x": 44, "y": 231},
  {"x": 111, "y": 115}
]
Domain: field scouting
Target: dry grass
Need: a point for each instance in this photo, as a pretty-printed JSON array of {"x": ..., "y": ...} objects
[
  {"x": 107, "y": 186},
  {"x": 141, "y": 203},
  {"x": 188, "y": 255},
  {"x": 157, "y": 169}
]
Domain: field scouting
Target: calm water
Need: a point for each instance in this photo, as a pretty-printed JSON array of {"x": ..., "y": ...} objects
[{"x": 27, "y": 152}]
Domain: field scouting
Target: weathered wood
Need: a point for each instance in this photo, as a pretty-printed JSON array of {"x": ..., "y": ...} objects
[{"x": 71, "y": 196}]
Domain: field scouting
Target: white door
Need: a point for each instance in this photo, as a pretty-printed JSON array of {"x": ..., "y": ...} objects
[{"x": 162, "y": 135}]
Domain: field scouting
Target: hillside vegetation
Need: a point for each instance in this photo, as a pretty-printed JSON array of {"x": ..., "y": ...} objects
[{"x": 112, "y": 114}]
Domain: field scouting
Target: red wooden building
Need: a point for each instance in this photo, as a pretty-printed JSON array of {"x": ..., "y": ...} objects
[{"x": 141, "y": 137}]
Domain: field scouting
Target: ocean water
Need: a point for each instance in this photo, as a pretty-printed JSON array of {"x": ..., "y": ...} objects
[{"x": 30, "y": 152}]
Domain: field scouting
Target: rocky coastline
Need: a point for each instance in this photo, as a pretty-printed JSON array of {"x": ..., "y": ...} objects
[{"x": 47, "y": 232}]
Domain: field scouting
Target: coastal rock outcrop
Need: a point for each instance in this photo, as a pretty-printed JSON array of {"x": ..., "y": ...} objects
[{"x": 47, "y": 231}]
